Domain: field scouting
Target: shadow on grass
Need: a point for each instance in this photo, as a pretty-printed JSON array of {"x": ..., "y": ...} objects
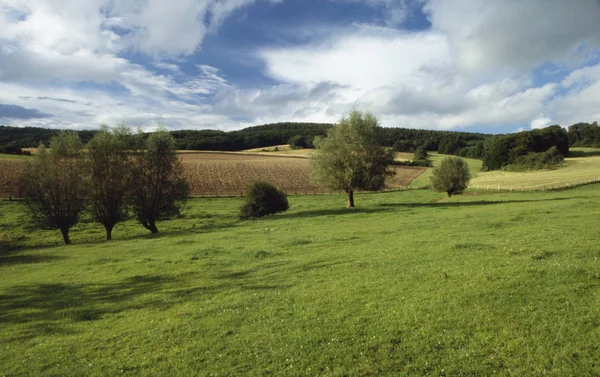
[
  {"x": 8, "y": 260},
  {"x": 589, "y": 153},
  {"x": 390, "y": 207},
  {"x": 52, "y": 308},
  {"x": 20, "y": 244}
]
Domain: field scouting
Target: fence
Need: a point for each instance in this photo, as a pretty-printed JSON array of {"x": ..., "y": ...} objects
[{"x": 539, "y": 187}]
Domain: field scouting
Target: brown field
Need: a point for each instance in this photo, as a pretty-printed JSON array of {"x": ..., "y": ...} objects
[
  {"x": 229, "y": 173},
  {"x": 9, "y": 177},
  {"x": 214, "y": 173}
]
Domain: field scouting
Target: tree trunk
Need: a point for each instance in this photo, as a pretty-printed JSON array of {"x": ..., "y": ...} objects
[
  {"x": 108, "y": 232},
  {"x": 350, "y": 198},
  {"x": 152, "y": 227},
  {"x": 65, "y": 234}
]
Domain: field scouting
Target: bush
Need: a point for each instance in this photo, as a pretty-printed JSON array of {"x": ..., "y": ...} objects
[
  {"x": 451, "y": 177},
  {"x": 536, "y": 161},
  {"x": 298, "y": 142},
  {"x": 263, "y": 199},
  {"x": 420, "y": 154}
]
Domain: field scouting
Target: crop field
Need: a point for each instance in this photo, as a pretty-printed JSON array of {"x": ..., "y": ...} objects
[
  {"x": 9, "y": 177},
  {"x": 409, "y": 283},
  {"x": 230, "y": 173},
  {"x": 226, "y": 174},
  {"x": 577, "y": 170}
]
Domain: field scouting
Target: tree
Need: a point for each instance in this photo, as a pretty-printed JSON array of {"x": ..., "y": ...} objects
[
  {"x": 451, "y": 177},
  {"x": 263, "y": 199},
  {"x": 420, "y": 154},
  {"x": 298, "y": 142},
  {"x": 109, "y": 163},
  {"x": 350, "y": 157},
  {"x": 159, "y": 189},
  {"x": 54, "y": 184}
]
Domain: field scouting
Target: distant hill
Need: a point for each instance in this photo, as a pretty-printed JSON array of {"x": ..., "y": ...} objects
[{"x": 402, "y": 139}]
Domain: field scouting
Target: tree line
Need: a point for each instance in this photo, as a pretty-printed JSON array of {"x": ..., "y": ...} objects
[
  {"x": 300, "y": 135},
  {"x": 115, "y": 176},
  {"x": 535, "y": 149}
]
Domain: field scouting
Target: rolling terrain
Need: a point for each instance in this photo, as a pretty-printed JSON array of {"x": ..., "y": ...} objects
[{"x": 409, "y": 283}]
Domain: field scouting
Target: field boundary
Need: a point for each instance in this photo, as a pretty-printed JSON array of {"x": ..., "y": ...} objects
[
  {"x": 186, "y": 153},
  {"x": 544, "y": 187}
]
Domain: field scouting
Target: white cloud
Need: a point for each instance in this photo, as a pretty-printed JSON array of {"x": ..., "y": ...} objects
[
  {"x": 580, "y": 97},
  {"x": 489, "y": 36},
  {"x": 408, "y": 79},
  {"x": 541, "y": 122},
  {"x": 366, "y": 59},
  {"x": 473, "y": 68}
]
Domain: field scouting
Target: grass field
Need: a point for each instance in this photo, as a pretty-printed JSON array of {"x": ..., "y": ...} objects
[
  {"x": 575, "y": 170},
  {"x": 4, "y": 156},
  {"x": 436, "y": 158},
  {"x": 407, "y": 284}
]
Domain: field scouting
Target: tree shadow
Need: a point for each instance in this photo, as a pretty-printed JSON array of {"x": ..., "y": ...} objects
[
  {"x": 390, "y": 207},
  {"x": 52, "y": 308},
  {"x": 9, "y": 260},
  {"x": 13, "y": 247}
]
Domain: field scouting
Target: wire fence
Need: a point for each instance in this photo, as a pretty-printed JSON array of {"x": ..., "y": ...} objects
[{"x": 539, "y": 187}]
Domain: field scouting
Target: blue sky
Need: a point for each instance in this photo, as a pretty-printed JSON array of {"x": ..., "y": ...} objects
[{"x": 471, "y": 65}]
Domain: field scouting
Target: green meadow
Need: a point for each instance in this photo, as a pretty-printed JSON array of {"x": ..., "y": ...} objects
[{"x": 408, "y": 283}]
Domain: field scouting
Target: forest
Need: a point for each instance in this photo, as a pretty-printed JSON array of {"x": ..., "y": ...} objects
[{"x": 517, "y": 151}]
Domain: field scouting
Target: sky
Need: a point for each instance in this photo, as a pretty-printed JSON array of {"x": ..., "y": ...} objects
[{"x": 464, "y": 65}]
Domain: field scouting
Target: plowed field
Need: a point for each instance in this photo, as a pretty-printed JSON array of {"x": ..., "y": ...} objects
[{"x": 224, "y": 174}]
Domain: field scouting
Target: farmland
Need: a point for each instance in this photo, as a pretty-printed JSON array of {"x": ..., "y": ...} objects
[
  {"x": 9, "y": 176},
  {"x": 229, "y": 174},
  {"x": 409, "y": 283},
  {"x": 575, "y": 171}
]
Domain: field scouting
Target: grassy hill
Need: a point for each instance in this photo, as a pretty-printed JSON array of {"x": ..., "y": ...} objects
[{"x": 409, "y": 283}]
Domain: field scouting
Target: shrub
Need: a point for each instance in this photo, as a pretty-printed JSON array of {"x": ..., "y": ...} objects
[
  {"x": 451, "y": 177},
  {"x": 263, "y": 199},
  {"x": 298, "y": 142},
  {"x": 535, "y": 161},
  {"x": 420, "y": 154}
]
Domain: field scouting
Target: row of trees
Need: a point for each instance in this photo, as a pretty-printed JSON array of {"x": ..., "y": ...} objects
[
  {"x": 584, "y": 135},
  {"x": 503, "y": 151},
  {"x": 118, "y": 174},
  {"x": 115, "y": 175}
]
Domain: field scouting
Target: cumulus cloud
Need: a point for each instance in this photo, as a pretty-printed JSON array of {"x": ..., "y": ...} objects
[
  {"x": 488, "y": 36},
  {"x": 541, "y": 122},
  {"x": 478, "y": 65},
  {"x": 408, "y": 79}
]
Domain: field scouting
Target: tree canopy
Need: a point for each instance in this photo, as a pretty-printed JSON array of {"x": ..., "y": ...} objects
[
  {"x": 54, "y": 183},
  {"x": 451, "y": 177},
  {"x": 350, "y": 157},
  {"x": 160, "y": 188},
  {"x": 109, "y": 164}
]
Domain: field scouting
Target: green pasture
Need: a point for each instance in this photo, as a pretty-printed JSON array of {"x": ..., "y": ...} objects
[
  {"x": 4, "y": 156},
  {"x": 407, "y": 284},
  {"x": 422, "y": 181},
  {"x": 583, "y": 168}
]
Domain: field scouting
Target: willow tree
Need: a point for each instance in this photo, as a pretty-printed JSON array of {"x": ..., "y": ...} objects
[
  {"x": 109, "y": 162},
  {"x": 451, "y": 177},
  {"x": 54, "y": 184},
  {"x": 350, "y": 157},
  {"x": 159, "y": 188}
]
